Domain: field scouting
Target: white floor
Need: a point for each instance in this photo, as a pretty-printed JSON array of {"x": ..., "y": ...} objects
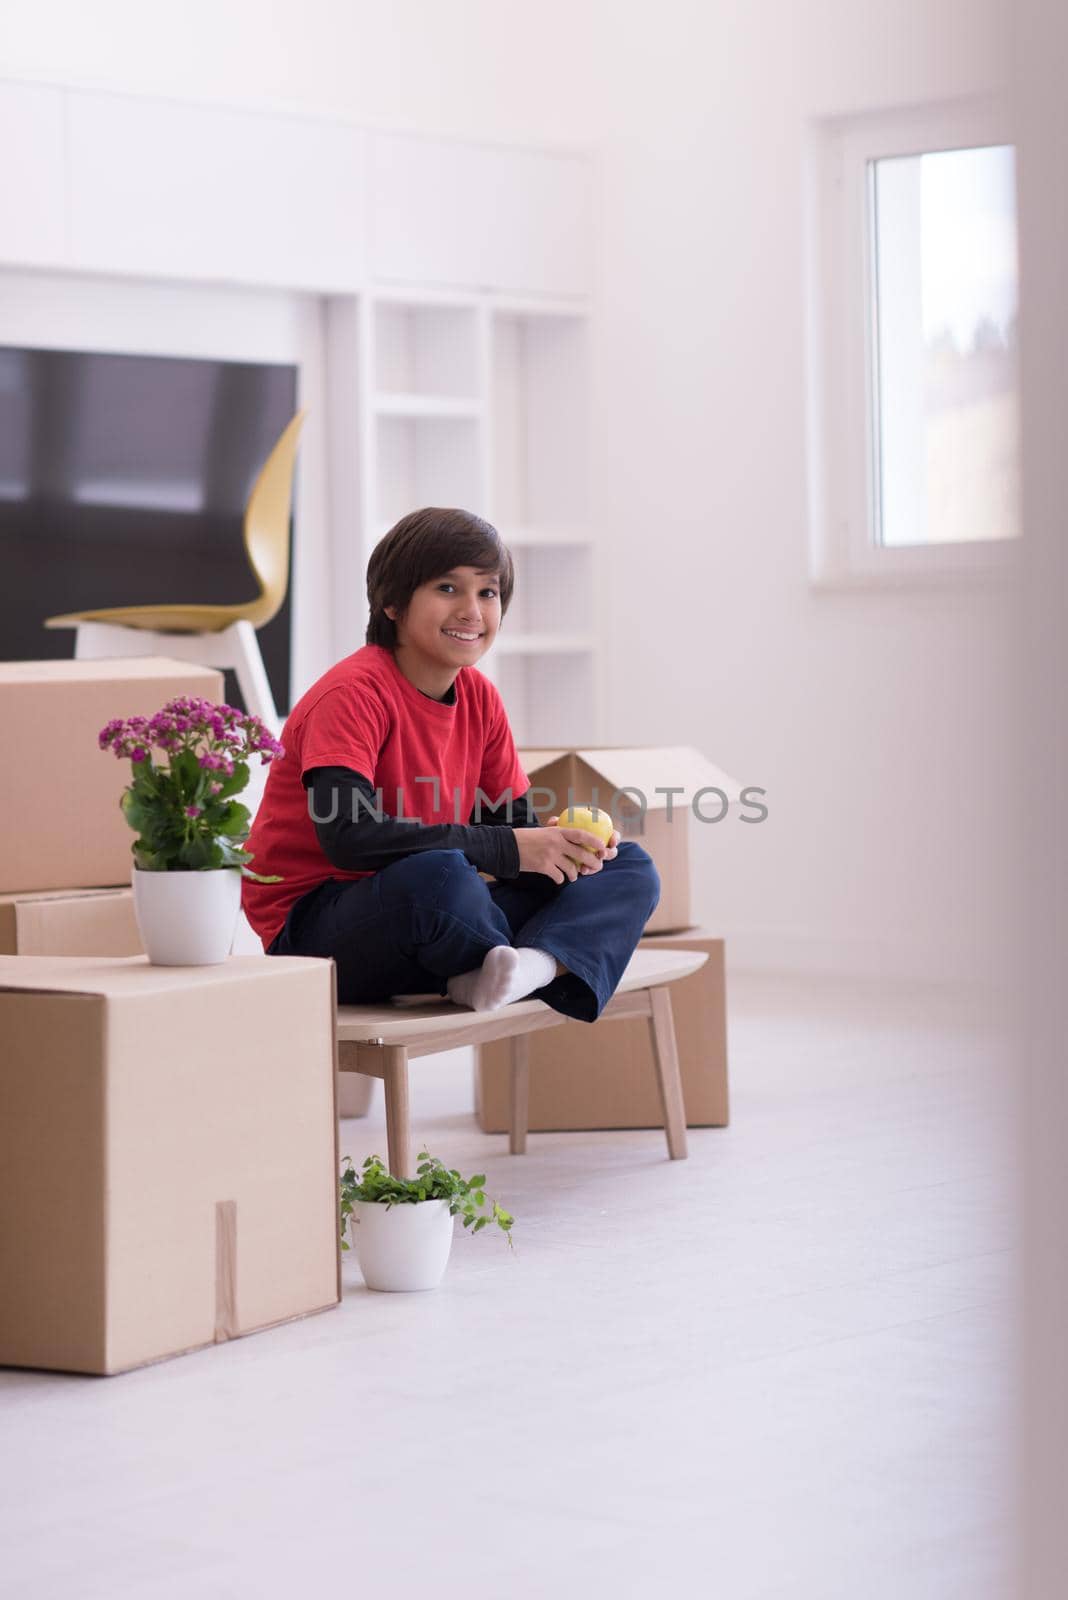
[{"x": 778, "y": 1369}]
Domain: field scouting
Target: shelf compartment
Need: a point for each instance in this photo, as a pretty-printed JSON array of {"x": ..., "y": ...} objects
[
  {"x": 424, "y": 461},
  {"x": 429, "y": 350},
  {"x": 539, "y": 396},
  {"x": 555, "y": 591}
]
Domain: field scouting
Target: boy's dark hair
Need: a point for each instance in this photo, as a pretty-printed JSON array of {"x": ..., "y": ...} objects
[{"x": 422, "y": 546}]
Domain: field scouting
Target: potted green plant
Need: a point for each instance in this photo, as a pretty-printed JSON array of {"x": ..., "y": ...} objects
[
  {"x": 188, "y": 857},
  {"x": 402, "y": 1227}
]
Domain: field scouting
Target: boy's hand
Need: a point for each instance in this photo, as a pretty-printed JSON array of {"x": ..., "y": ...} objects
[
  {"x": 553, "y": 851},
  {"x": 610, "y": 851},
  {"x": 546, "y": 850}
]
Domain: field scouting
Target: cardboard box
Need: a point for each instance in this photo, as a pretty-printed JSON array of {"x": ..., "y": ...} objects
[
  {"x": 601, "y": 1075},
  {"x": 168, "y": 1155},
  {"x": 69, "y": 922},
  {"x": 59, "y": 792},
  {"x": 603, "y": 777}
]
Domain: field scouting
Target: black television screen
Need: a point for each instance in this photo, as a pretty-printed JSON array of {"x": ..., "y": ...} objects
[{"x": 123, "y": 481}]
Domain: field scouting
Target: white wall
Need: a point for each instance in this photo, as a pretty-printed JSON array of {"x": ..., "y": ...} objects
[
  {"x": 876, "y": 722},
  {"x": 872, "y": 719}
]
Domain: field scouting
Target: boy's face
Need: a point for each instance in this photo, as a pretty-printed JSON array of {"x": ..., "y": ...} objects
[{"x": 450, "y": 623}]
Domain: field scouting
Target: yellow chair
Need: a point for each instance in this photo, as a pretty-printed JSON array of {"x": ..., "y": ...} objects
[{"x": 213, "y": 636}]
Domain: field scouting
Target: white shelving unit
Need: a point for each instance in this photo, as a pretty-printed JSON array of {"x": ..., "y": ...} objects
[
  {"x": 539, "y": 398},
  {"x": 470, "y": 400}
]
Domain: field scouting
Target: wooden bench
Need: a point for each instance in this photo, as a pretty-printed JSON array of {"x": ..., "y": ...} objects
[{"x": 379, "y": 1041}]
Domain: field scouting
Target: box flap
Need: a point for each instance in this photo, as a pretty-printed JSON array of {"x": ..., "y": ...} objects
[
  {"x": 118, "y": 976},
  {"x": 647, "y": 768},
  {"x": 533, "y": 760}
]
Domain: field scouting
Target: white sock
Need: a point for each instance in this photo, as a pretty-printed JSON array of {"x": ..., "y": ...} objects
[{"x": 506, "y": 974}]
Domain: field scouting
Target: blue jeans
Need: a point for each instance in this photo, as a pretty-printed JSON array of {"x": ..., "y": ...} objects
[{"x": 409, "y": 927}]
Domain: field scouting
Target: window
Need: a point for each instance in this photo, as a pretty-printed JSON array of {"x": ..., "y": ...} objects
[{"x": 913, "y": 302}]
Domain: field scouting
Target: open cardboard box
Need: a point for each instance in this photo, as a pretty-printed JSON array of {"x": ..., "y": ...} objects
[
  {"x": 168, "y": 1155},
  {"x": 631, "y": 783},
  {"x": 59, "y": 792}
]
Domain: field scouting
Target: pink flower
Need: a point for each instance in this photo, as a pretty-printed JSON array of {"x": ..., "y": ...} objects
[
  {"x": 218, "y": 736},
  {"x": 213, "y": 763},
  {"x": 192, "y": 811}
]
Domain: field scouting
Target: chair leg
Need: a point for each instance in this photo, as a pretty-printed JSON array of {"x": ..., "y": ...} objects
[
  {"x": 668, "y": 1077},
  {"x": 398, "y": 1131},
  {"x": 520, "y": 1094},
  {"x": 252, "y": 675}
]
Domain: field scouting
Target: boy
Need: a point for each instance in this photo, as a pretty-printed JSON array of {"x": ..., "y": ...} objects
[{"x": 373, "y": 823}]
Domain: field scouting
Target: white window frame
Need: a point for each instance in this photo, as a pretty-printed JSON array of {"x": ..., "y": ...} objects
[{"x": 841, "y": 336}]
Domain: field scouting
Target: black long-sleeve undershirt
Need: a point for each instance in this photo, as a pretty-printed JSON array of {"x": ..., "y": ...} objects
[{"x": 355, "y": 840}]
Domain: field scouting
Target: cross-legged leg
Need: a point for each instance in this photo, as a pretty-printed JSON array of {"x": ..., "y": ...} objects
[
  {"x": 591, "y": 927},
  {"x": 412, "y": 926},
  {"x": 405, "y": 930}
]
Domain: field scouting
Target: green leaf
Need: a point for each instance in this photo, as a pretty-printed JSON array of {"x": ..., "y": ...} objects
[
  {"x": 136, "y": 809},
  {"x": 477, "y": 1183},
  {"x": 200, "y": 854},
  {"x": 229, "y": 849},
  {"x": 235, "y": 782},
  {"x": 434, "y": 1181},
  {"x": 234, "y": 821},
  {"x": 187, "y": 770}
]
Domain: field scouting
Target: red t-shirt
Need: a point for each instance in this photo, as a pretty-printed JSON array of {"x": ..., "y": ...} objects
[{"x": 365, "y": 714}]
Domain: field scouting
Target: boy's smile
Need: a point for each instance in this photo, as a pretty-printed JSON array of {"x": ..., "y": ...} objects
[{"x": 450, "y": 623}]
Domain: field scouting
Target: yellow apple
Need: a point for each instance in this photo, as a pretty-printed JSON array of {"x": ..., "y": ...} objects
[{"x": 582, "y": 817}]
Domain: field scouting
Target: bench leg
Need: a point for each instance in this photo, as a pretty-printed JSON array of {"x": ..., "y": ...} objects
[
  {"x": 520, "y": 1094},
  {"x": 668, "y": 1078},
  {"x": 398, "y": 1132}
]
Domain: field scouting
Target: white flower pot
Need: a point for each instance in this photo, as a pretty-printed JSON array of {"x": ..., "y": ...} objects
[
  {"x": 403, "y": 1246},
  {"x": 187, "y": 919}
]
